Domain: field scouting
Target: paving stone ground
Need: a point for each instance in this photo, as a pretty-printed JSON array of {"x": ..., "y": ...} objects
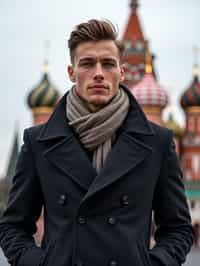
[{"x": 192, "y": 260}]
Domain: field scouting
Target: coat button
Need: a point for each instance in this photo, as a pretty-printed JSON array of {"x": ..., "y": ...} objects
[
  {"x": 62, "y": 200},
  {"x": 79, "y": 263},
  {"x": 81, "y": 220},
  {"x": 112, "y": 220},
  {"x": 124, "y": 200},
  {"x": 113, "y": 263},
  {"x": 24, "y": 148}
]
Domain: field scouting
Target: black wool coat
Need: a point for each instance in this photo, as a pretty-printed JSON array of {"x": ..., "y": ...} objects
[{"x": 95, "y": 219}]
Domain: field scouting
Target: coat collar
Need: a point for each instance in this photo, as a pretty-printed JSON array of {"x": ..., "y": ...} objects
[
  {"x": 66, "y": 153},
  {"x": 57, "y": 125},
  {"x": 136, "y": 121}
]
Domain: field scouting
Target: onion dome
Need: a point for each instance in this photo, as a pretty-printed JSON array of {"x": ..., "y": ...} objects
[
  {"x": 171, "y": 124},
  {"x": 147, "y": 91},
  {"x": 44, "y": 94},
  {"x": 191, "y": 97}
]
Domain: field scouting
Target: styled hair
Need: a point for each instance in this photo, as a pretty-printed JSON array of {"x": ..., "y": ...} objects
[{"x": 93, "y": 30}]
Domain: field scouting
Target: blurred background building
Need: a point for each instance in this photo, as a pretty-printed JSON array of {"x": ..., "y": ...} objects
[{"x": 141, "y": 78}]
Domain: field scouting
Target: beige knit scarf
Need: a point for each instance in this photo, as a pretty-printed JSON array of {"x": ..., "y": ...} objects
[{"x": 96, "y": 131}]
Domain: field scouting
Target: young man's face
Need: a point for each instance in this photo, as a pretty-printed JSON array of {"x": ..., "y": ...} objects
[{"x": 96, "y": 72}]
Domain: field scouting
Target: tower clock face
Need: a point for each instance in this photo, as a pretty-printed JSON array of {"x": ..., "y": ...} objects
[
  {"x": 132, "y": 48},
  {"x": 139, "y": 45},
  {"x": 127, "y": 45}
]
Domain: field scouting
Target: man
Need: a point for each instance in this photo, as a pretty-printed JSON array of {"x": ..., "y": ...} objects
[{"x": 99, "y": 168}]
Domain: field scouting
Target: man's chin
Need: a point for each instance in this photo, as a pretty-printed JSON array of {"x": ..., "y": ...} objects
[
  {"x": 97, "y": 104},
  {"x": 99, "y": 100}
]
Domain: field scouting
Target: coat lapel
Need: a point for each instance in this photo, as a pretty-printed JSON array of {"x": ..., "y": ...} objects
[
  {"x": 69, "y": 157},
  {"x": 64, "y": 150},
  {"x": 126, "y": 154}
]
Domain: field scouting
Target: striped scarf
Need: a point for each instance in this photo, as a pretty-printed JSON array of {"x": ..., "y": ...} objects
[{"x": 97, "y": 130}]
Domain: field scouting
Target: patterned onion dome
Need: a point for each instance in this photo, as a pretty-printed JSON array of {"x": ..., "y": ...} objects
[
  {"x": 191, "y": 97},
  {"x": 149, "y": 93},
  {"x": 44, "y": 94},
  {"x": 171, "y": 124}
]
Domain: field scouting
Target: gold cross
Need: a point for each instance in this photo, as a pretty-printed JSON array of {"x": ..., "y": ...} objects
[{"x": 46, "y": 56}]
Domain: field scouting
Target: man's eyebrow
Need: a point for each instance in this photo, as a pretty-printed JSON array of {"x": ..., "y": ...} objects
[
  {"x": 109, "y": 59},
  {"x": 94, "y": 59},
  {"x": 87, "y": 58}
]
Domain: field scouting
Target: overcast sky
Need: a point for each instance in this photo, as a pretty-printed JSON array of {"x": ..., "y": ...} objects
[{"x": 171, "y": 26}]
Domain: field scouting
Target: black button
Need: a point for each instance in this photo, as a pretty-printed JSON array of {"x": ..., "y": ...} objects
[
  {"x": 112, "y": 220},
  {"x": 79, "y": 263},
  {"x": 113, "y": 263},
  {"x": 81, "y": 220},
  {"x": 24, "y": 148},
  {"x": 62, "y": 200},
  {"x": 124, "y": 200}
]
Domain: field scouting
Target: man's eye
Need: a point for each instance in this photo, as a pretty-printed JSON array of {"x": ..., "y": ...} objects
[
  {"x": 87, "y": 64},
  {"x": 109, "y": 64}
]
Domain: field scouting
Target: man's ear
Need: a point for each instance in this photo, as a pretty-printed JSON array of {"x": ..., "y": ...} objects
[
  {"x": 70, "y": 71},
  {"x": 122, "y": 72}
]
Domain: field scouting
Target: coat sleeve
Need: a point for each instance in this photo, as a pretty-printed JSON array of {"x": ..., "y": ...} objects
[
  {"x": 18, "y": 222},
  {"x": 174, "y": 234}
]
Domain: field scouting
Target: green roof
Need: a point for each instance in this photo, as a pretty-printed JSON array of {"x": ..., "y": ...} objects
[
  {"x": 192, "y": 189},
  {"x": 13, "y": 159},
  {"x": 193, "y": 194}
]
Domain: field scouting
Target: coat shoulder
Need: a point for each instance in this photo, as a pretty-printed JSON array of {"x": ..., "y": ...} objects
[
  {"x": 162, "y": 136},
  {"x": 161, "y": 130},
  {"x": 35, "y": 131}
]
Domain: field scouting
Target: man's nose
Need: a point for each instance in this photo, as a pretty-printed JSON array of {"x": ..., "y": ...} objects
[{"x": 98, "y": 74}]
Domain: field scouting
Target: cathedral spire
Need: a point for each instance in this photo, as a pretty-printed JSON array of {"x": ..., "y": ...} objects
[
  {"x": 196, "y": 50},
  {"x": 134, "y": 47},
  {"x": 14, "y": 152},
  {"x": 46, "y": 57},
  {"x": 134, "y": 4},
  {"x": 148, "y": 59},
  {"x": 133, "y": 30}
]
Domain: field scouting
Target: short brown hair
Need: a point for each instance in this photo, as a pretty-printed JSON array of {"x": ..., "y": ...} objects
[{"x": 93, "y": 30}]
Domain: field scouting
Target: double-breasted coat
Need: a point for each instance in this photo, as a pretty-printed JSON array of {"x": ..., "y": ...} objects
[{"x": 95, "y": 219}]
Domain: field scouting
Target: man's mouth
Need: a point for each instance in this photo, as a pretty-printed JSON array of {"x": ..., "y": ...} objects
[{"x": 98, "y": 86}]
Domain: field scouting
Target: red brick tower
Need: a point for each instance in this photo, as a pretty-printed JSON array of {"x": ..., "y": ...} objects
[{"x": 190, "y": 102}]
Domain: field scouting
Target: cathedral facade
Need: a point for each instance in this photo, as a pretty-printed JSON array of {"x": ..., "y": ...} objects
[{"x": 142, "y": 81}]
